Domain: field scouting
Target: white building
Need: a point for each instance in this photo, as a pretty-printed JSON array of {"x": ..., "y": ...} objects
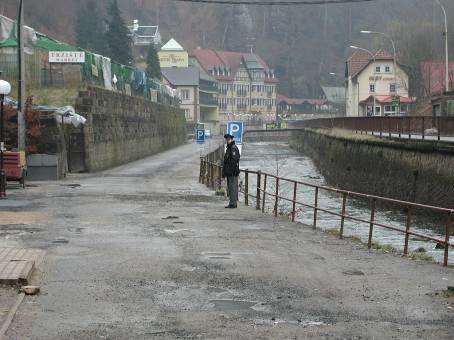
[
  {"x": 374, "y": 78},
  {"x": 144, "y": 35}
]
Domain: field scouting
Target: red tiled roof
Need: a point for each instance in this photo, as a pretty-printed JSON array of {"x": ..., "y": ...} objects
[
  {"x": 360, "y": 59},
  {"x": 209, "y": 58},
  {"x": 433, "y": 75},
  {"x": 387, "y": 100}
]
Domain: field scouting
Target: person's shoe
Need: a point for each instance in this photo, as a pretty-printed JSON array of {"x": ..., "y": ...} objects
[{"x": 231, "y": 207}]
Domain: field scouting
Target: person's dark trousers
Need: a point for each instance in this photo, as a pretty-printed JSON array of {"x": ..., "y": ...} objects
[{"x": 232, "y": 188}]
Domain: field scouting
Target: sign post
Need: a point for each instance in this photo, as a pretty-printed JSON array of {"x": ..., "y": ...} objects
[
  {"x": 236, "y": 130},
  {"x": 200, "y": 136}
]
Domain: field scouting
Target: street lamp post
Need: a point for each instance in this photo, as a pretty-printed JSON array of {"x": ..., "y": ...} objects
[
  {"x": 446, "y": 46},
  {"x": 394, "y": 58},
  {"x": 375, "y": 76},
  {"x": 5, "y": 88}
]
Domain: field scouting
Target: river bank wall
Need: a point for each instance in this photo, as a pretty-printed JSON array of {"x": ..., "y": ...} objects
[{"x": 415, "y": 171}]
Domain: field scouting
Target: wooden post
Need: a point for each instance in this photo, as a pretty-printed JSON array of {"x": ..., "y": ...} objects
[
  {"x": 295, "y": 187},
  {"x": 315, "y": 208},
  {"x": 407, "y": 229},
  {"x": 344, "y": 203},
  {"x": 246, "y": 187},
  {"x": 259, "y": 185},
  {"x": 372, "y": 221},
  {"x": 264, "y": 193}
]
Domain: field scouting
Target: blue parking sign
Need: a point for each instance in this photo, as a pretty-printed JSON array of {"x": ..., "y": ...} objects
[
  {"x": 200, "y": 136},
  {"x": 236, "y": 130}
]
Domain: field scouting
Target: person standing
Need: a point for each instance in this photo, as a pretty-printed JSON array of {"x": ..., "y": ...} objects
[{"x": 231, "y": 170}]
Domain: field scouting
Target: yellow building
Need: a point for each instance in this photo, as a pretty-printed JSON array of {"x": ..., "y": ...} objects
[{"x": 172, "y": 54}]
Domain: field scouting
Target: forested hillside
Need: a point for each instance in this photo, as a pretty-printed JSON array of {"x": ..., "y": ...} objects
[{"x": 303, "y": 43}]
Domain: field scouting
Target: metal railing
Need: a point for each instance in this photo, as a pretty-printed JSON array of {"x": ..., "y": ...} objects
[
  {"x": 402, "y": 127},
  {"x": 211, "y": 175}
]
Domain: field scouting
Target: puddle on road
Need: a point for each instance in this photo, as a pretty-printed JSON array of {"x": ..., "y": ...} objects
[
  {"x": 232, "y": 305},
  {"x": 353, "y": 273}
]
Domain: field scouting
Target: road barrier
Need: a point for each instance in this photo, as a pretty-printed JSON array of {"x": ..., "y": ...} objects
[
  {"x": 211, "y": 172},
  {"x": 405, "y": 126}
]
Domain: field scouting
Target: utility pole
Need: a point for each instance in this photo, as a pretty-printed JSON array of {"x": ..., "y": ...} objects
[
  {"x": 21, "y": 80},
  {"x": 446, "y": 46}
]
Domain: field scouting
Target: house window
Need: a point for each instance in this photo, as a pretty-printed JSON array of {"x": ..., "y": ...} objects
[
  {"x": 388, "y": 109},
  {"x": 184, "y": 94},
  {"x": 403, "y": 108},
  {"x": 388, "y": 69},
  {"x": 371, "y": 88},
  {"x": 187, "y": 114},
  {"x": 392, "y": 88},
  {"x": 377, "y": 69}
]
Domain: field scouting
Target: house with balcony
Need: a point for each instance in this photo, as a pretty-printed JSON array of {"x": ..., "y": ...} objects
[
  {"x": 246, "y": 84},
  {"x": 373, "y": 80},
  {"x": 198, "y": 95},
  {"x": 144, "y": 35}
]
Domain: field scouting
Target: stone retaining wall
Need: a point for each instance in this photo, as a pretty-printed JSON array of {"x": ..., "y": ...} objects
[
  {"x": 122, "y": 128},
  {"x": 417, "y": 172}
]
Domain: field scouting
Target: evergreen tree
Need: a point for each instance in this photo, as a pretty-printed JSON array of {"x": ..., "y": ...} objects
[
  {"x": 117, "y": 36},
  {"x": 90, "y": 28},
  {"x": 153, "y": 66}
]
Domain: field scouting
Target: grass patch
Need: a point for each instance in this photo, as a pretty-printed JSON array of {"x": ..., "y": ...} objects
[
  {"x": 385, "y": 248},
  {"x": 418, "y": 256},
  {"x": 220, "y": 192}
]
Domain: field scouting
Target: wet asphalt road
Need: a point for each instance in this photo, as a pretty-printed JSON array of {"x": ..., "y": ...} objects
[{"x": 143, "y": 251}]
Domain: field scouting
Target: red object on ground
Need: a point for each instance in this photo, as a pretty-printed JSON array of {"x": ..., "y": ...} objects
[{"x": 15, "y": 166}]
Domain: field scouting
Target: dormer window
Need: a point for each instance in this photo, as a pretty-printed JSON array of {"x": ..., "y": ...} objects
[
  {"x": 388, "y": 69},
  {"x": 377, "y": 69}
]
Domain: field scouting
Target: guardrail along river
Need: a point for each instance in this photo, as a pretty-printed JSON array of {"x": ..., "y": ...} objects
[{"x": 279, "y": 159}]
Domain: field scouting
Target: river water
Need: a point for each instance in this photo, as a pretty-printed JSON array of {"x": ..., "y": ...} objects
[{"x": 280, "y": 159}]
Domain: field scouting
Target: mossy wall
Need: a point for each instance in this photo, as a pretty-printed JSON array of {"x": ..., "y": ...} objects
[
  {"x": 122, "y": 128},
  {"x": 421, "y": 172}
]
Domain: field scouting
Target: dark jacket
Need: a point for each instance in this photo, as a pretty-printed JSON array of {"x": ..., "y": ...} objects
[{"x": 231, "y": 161}]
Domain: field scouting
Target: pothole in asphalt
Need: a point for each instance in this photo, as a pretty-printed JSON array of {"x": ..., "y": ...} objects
[
  {"x": 73, "y": 185},
  {"x": 353, "y": 272},
  {"x": 76, "y": 230},
  {"x": 232, "y": 305},
  {"x": 218, "y": 256},
  {"x": 171, "y": 218},
  {"x": 60, "y": 240},
  {"x": 17, "y": 229}
]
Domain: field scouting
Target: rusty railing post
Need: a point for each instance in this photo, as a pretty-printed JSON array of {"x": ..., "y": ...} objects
[
  {"x": 438, "y": 128},
  {"x": 259, "y": 187},
  {"x": 315, "y": 208},
  {"x": 264, "y": 193},
  {"x": 389, "y": 126},
  {"x": 407, "y": 230},
  {"x": 219, "y": 179},
  {"x": 246, "y": 187},
  {"x": 276, "y": 201},
  {"x": 409, "y": 127},
  {"x": 422, "y": 128},
  {"x": 344, "y": 203},
  {"x": 372, "y": 221},
  {"x": 447, "y": 232},
  {"x": 399, "y": 126},
  {"x": 202, "y": 170},
  {"x": 295, "y": 188},
  {"x": 381, "y": 126}
]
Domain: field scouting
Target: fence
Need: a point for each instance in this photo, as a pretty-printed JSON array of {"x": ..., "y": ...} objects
[
  {"x": 210, "y": 175},
  {"x": 407, "y": 127}
]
